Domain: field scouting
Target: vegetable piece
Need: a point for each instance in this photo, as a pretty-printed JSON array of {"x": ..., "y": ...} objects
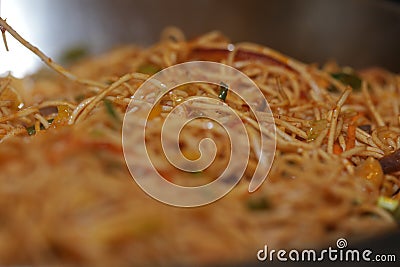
[
  {"x": 63, "y": 115},
  {"x": 47, "y": 111},
  {"x": 391, "y": 205},
  {"x": 31, "y": 129},
  {"x": 258, "y": 203},
  {"x": 332, "y": 89},
  {"x": 388, "y": 203},
  {"x": 73, "y": 54},
  {"x": 223, "y": 92},
  {"x": 337, "y": 150},
  {"x": 370, "y": 170},
  {"x": 349, "y": 79},
  {"x": 110, "y": 109},
  {"x": 149, "y": 69},
  {"x": 316, "y": 128},
  {"x": 366, "y": 128},
  {"x": 351, "y": 137},
  {"x": 351, "y": 131},
  {"x": 355, "y": 118},
  {"x": 390, "y": 163}
]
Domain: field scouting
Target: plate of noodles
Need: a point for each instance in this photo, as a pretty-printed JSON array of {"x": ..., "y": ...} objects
[{"x": 68, "y": 198}]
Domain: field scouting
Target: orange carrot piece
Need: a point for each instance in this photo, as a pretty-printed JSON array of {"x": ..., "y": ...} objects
[
  {"x": 351, "y": 137},
  {"x": 356, "y": 117},
  {"x": 337, "y": 150}
]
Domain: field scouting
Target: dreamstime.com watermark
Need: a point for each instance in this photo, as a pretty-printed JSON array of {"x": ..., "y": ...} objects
[
  {"x": 146, "y": 99},
  {"x": 341, "y": 253}
]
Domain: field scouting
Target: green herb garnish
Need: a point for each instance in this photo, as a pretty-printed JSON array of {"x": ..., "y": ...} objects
[
  {"x": 111, "y": 110},
  {"x": 391, "y": 205},
  {"x": 388, "y": 203},
  {"x": 223, "y": 91},
  {"x": 349, "y": 79},
  {"x": 258, "y": 203},
  {"x": 73, "y": 54},
  {"x": 316, "y": 128},
  {"x": 31, "y": 129}
]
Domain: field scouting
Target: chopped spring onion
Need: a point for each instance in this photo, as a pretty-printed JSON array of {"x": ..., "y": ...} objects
[
  {"x": 223, "y": 91},
  {"x": 316, "y": 128},
  {"x": 74, "y": 54},
  {"x": 31, "y": 130},
  {"x": 110, "y": 109},
  {"x": 391, "y": 205},
  {"x": 388, "y": 203},
  {"x": 258, "y": 203},
  {"x": 349, "y": 79}
]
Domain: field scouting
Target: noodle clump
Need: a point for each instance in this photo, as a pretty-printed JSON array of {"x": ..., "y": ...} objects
[{"x": 67, "y": 196}]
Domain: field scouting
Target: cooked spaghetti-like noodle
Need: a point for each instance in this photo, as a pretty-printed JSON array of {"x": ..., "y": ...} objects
[{"x": 67, "y": 197}]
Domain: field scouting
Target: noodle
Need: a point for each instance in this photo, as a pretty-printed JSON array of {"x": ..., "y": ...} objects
[{"x": 68, "y": 197}]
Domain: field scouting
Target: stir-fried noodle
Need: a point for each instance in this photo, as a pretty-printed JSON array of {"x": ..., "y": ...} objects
[{"x": 66, "y": 194}]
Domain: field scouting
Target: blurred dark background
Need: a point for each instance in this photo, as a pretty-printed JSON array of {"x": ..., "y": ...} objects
[{"x": 359, "y": 33}]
